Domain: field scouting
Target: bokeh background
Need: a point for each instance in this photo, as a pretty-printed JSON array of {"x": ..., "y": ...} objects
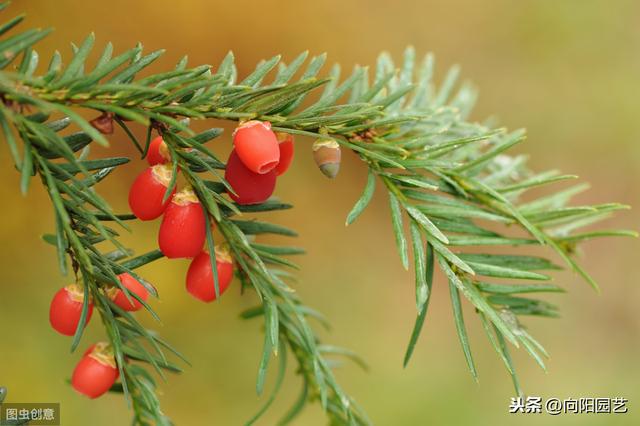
[{"x": 567, "y": 70}]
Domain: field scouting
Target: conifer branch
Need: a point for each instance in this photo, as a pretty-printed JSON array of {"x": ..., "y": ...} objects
[{"x": 446, "y": 177}]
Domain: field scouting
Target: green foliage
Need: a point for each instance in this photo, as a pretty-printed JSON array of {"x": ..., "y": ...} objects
[{"x": 446, "y": 177}]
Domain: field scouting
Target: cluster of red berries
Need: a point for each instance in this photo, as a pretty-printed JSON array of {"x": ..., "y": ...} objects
[
  {"x": 258, "y": 157},
  {"x": 96, "y": 372}
]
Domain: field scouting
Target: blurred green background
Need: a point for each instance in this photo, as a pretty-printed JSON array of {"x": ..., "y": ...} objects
[{"x": 567, "y": 70}]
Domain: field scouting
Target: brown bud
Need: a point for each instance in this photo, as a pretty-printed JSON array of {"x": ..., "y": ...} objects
[
  {"x": 103, "y": 123},
  {"x": 327, "y": 155}
]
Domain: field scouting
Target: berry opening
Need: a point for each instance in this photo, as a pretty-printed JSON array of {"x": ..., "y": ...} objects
[
  {"x": 267, "y": 167},
  {"x": 185, "y": 196},
  {"x": 103, "y": 353},
  {"x": 75, "y": 292},
  {"x": 162, "y": 173}
]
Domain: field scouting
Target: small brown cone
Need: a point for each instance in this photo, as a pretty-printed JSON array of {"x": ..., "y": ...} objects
[{"x": 327, "y": 155}]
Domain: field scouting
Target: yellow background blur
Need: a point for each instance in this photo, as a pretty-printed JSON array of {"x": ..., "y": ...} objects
[{"x": 568, "y": 70}]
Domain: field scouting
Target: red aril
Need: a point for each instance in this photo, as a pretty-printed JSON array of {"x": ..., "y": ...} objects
[
  {"x": 158, "y": 152},
  {"x": 257, "y": 146},
  {"x": 66, "y": 309},
  {"x": 96, "y": 372},
  {"x": 147, "y": 192},
  {"x": 285, "y": 143},
  {"x": 134, "y": 286},
  {"x": 249, "y": 187},
  {"x": 200, "y": 282},
  {"x": 182, "y": 231}
]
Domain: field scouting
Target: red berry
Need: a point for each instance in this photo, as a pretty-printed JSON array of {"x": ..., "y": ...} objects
[
  {"x": 183, "y": 231},
  {"x": 158, "y": 152},
  {"x": 200, "y": 275},
  {"x": 96, "y": 372},
  {"x": 285, "y": 141},
  {"x": 66, "y": 309},
  {"x": 147, "y": 192},
  {"x": 134, "y": 286},
  {"x": 249, "y": 187},
  {"x": 257, "y": 146}
]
